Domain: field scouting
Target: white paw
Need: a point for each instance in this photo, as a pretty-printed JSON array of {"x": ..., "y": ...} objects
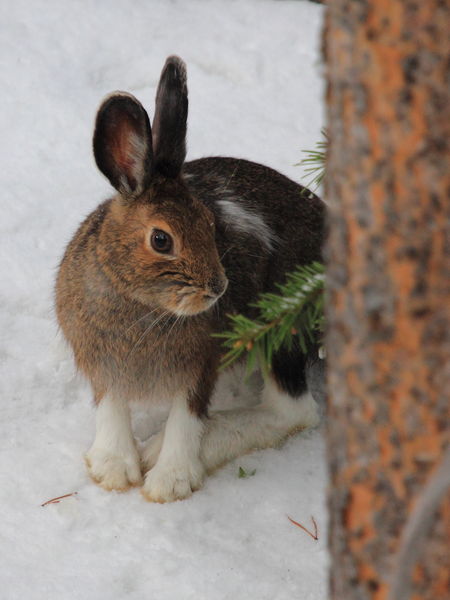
[
  {"x": 150, "y": 452},
  {"x": 114, "y": 471},
  {"x": 173, "y": 481}
]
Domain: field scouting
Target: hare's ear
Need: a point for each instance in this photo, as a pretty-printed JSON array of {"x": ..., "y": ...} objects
[
  {"x": 169, "y": 123},
  {"x": 123, "y": 143}
]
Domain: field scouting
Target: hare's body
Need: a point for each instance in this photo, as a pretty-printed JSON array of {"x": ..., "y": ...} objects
[
  {"x": 152, "y": 273},
  {"x": 142, "y": 354}
]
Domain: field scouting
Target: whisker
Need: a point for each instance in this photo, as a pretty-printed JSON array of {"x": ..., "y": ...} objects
[
  {"x": 141, "y": 319},
  {"x": 225, "y": 188},
  {"x": 226, "y": 252},
  {"x": 146, "y": 331},
  {"x": 159, "y": 336},
  {"x": 175, "y": 323},
  {"x": 254, "y": 255},
  {"x": 179, "y": 317}
]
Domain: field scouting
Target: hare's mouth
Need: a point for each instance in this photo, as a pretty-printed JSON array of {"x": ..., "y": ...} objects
[{"x": 194, "y": 301}]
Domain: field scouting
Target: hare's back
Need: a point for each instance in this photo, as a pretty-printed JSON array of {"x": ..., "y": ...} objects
[{"x": 266, "y": 223}]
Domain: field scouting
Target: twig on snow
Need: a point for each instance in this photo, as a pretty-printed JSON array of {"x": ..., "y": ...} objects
[
  {"x": 57, "y": 500},
  {"x": 313, "y": 535}
]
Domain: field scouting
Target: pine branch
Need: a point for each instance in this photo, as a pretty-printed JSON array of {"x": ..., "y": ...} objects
[
  {"x": 296, "y": 311},
  {"x": 314, "y": 163}
]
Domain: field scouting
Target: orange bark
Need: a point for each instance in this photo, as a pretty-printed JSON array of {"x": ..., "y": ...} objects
[{"x": 388, "y": 187}]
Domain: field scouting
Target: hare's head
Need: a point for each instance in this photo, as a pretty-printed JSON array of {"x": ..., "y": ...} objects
[{"x": 159, "y": 243}]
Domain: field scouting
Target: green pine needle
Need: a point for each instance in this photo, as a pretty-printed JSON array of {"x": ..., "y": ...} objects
[
  {"x": 296, "y": 311},
  {"x": 314, "y": 163}
]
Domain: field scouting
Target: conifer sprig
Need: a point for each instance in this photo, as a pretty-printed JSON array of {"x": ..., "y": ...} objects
[
  {"x": 297, "y": 311},
  {"x": 314, "y": 163}
]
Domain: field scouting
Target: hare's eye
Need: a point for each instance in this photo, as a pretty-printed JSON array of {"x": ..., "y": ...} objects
[{"x": 161, "y": 241}]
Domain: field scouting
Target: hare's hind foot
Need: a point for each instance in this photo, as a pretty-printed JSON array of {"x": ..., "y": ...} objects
[{"x": 231, "y": 433}]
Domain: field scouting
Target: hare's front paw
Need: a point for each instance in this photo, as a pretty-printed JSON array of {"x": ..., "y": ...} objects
[
  {"x": 150, "y": 452},
  {"x": 114, "y": 471},
  {"x": 167, "y": 482}
]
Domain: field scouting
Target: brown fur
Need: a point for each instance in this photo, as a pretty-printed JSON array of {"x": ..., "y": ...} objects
[{"x": 111, "y": 288}]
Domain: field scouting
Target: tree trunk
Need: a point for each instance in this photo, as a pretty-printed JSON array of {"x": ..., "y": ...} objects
[{"x": 388, "y": 187}]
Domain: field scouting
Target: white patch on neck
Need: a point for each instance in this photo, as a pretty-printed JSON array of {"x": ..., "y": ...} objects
[{"x": 246, "y": 221}]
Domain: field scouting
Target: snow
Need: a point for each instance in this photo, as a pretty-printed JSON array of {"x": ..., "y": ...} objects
[{"x": 255, "y": 92}]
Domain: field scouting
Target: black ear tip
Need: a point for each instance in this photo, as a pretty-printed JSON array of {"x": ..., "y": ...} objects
[
  {"x": 169, "y": 123},
  {"x": 176, "y": 67},
  {"x": 175, "y": 60},
  {"x": 120, "y": 101}
]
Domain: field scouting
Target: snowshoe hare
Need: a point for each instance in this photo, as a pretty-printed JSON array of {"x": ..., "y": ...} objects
[{"x": 153, "y": 272}]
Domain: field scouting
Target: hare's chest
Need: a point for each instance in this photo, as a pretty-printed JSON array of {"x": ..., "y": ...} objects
[{"x": 160, "y": 362}]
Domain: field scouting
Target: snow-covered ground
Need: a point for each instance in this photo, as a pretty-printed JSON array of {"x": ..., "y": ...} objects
[{"x": 255, "y": 92}]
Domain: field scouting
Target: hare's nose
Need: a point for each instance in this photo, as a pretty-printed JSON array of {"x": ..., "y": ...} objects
[{"x": 218, "y": 285}]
